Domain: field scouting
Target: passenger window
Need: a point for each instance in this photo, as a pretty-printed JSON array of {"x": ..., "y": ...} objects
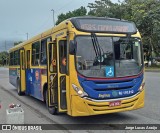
[
  {"x": 16, "y": 58},
  {"x": 35, "y": 53},
  {"x": 11, "y": 59},
  {"x": 43, "y": 51},
  {"x": 28, "y": 59}
]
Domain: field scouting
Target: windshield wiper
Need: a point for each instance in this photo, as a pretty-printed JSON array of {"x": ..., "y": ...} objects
[{"x": 96, "y": 47}]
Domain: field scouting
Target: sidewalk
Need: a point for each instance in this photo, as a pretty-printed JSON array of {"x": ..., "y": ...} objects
[{"x": 30, "y": 117}]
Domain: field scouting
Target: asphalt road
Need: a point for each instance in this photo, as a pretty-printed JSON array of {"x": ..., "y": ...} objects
[{"x": 36, "y": 112}]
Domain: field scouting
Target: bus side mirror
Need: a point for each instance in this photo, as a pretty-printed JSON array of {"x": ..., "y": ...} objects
[{"x": 72, "y": 47}]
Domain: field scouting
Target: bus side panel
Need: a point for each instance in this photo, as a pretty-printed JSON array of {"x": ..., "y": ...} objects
[
  {"x": 43, "y": 80},
  {"x": 13, "y": 75},
  {"x": 33, "y": 82}
]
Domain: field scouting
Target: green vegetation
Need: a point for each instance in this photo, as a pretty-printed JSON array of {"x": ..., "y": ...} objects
[
  {"x": 78, "y": 12},
  {"x": 153, "y": 68},
  {"x": 16, "y": 43},
  {"x": 145, "y": 14},
  {"x": 4, "y": 58}
]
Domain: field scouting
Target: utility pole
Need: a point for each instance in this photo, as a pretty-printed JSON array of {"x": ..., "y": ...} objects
[
  {"x": 5, "y": 58},
  {"x": 27, "y": 35},
  {"x": 53, "y": 17},
  {"x": 5, "y": 45}
]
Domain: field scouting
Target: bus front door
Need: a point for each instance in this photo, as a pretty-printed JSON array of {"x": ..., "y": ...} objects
[{"x": 56, "y": 80}]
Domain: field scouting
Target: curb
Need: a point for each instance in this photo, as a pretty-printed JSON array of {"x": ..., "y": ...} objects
[{"x": 156, "y": 70}]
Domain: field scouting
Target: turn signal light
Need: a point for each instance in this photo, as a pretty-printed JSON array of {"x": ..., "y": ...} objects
[{"x": 141, "y": 88}]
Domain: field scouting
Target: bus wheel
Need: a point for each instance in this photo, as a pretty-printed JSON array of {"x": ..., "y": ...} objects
[
  {"x": 52, "y": 110},
  {"x": 19, "y": 88}
]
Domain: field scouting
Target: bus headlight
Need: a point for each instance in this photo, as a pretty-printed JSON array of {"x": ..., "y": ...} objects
[
  {"x": 80, "y": 92},
  {"x": 141, "y": 88}
]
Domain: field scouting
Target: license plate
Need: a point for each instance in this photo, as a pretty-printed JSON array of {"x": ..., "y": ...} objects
[{"x": 114, "y": 103}]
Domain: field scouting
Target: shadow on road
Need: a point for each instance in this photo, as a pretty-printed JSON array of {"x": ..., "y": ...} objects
[{"x": 66, "y": 119}]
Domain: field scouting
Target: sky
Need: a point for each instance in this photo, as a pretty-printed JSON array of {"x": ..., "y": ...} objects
[{"x": 21, "y": 17}]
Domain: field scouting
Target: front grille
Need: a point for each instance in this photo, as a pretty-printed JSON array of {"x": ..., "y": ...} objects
[
  {"x": 104, "y": 106},
  {"x": 107, "y": 89},
  {"x": 112, "y": 81},
  {"x": 113, "y": 108}
]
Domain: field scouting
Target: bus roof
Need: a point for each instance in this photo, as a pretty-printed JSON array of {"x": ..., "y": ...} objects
[{"x": 88, "y": 24}]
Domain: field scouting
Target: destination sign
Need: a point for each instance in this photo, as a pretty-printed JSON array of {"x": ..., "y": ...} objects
[{"x": 104, "y": 25}]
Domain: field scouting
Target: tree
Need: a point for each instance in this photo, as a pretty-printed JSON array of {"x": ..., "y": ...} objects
[
  {"x": 145, "y": 14},
  {"x": 78, "y": 12},
  {"x": 4, "y": 57},
  {"x": 104, "y": 8},
  {"x": 16, "y": 43}
]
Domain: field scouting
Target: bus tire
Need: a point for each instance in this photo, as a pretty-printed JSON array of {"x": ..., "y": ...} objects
[
  {"x": 20, "y": 93},
  {"x": 52, "y": 110}
]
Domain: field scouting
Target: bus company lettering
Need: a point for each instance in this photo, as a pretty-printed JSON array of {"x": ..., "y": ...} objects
[
  {"x": 113, "y": 86},
  {"x": 95, "y": 27},
  {"x": 126, "y": 92},
  {"x": 103, "y": 95}
]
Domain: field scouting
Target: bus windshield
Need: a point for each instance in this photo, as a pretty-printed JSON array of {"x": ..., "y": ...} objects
[{"x": 102, "y": 56}]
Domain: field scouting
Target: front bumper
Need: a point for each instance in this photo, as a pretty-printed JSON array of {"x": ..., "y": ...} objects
[{"x": 85, "y": 107}]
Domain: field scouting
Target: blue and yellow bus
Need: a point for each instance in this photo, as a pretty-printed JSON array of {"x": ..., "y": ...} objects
[{"x": 83, "y": 66}]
